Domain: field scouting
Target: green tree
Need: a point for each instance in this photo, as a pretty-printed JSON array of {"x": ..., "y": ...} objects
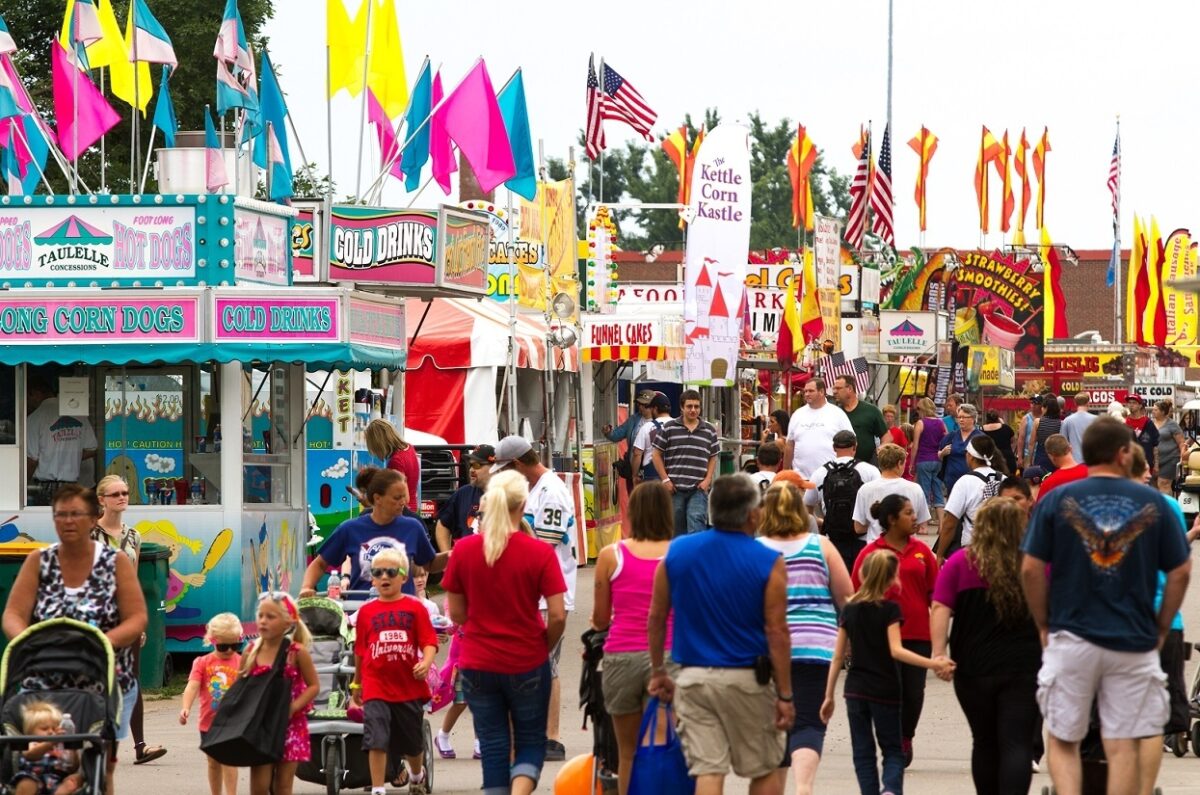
[
  {"x": 193, "y": 30},
  {"x": 642, "y": 172}
]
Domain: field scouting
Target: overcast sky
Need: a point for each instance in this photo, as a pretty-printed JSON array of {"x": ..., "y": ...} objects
[{"x": 1070, "y": 65}]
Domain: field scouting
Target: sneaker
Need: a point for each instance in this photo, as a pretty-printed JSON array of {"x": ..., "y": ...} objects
[
  {"x": 907, "y": 747},
  {"x": 1036, "y": 767},
  {"x": 555, "y": 751},
  {"x": 442, "y": 743},
  {"x": 416, "y": 787},
  {"x": 477, "y": 753}
]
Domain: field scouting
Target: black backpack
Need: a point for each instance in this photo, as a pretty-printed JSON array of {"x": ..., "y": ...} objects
[
  {"x": 991, "y": 487},
  {"x": 839, "y": 491}
]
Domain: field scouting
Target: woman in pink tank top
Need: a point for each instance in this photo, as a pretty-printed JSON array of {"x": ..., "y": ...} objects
[{"x": 624, "y": 582}]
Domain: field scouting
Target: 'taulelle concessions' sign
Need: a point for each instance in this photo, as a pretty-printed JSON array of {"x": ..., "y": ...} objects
[
  {"x": 100, "y": 320},
  {"x": 81, "y": 243},
  {"x": 300, "y": 319},
  {"x": 907, "y": 333},
  {"x": 429, "y": 250}
]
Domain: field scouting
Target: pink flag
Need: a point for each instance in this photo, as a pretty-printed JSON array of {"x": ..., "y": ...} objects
[
  {"x": 95, "y": 116},
  {"x": 215, "y": 175},
  {"x": 440, "y": 153},
  {"x": 471, "y": 117},
  {"x": 388, "y": 146}
]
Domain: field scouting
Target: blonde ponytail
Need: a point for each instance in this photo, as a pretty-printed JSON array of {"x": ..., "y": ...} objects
[{"x": 506, "y": 492}]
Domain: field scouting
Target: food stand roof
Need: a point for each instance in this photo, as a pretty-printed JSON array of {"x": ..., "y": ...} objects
[
  {"x": 324, "y": 327},
  {"x": 461, "y": 332}
]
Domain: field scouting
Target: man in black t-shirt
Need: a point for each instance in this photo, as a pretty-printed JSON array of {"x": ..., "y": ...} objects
[{"x": 458, "y": 516}]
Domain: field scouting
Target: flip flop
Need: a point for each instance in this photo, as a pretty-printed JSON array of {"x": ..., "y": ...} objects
[{"x": 149, "y": 754}]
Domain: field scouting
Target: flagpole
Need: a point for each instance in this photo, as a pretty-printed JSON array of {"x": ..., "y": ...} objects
[
  {"x": 362, "y": 126},
  {"x": 223, "y": 162},
  {"x": 1117, "y": 284},
  {"x": 75, "y": 122},
  {"x": 510, "y": 377},
  {"x": 270, "y": 163},
  {"x": 103, "y": 156},
  {"x": 146, "y": 168},
  {"x": 133, "y": 121},
  {"x": 889, "y": 66},
  {"x": 600, "y": 197},
  {"x": 328, "y": 113}
]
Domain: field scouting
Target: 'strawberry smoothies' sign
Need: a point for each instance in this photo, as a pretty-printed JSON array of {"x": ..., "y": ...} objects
[
  {"x": 242, "y": 319},
  {"x": 84, "y": 243},
  {"x": 106, "y": 320}
]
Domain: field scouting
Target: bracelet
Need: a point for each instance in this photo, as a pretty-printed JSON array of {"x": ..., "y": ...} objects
[
  {"x": 783, "y": 698},
  {"x": 355, "y": 686}
]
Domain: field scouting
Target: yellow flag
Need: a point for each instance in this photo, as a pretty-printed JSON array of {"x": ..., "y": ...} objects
[
  {"x": 347, "y": 47},
  {"x": 385, "y": 74},
  {"x": 112, "y": 51},
  {"x": 1137, "y": 255},
  {"x": 1150, "y": 312}
]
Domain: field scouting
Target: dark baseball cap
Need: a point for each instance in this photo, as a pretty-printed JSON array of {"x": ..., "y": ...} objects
[
  {"x": 660, "y": 402},
  {"x": 1036, "y": 400},
  {"x": 483, "y": 454},
  {"x": 844, "y": 440}
]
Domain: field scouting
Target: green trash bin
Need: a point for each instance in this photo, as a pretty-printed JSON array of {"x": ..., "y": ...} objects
[
  {"x": 726, "y": 464},
  {"x": 12, "y": 555},
  {"x": 152, "y": 576}
]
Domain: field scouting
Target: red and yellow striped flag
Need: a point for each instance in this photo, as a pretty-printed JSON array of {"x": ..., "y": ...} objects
[
  {"x": 801, "y": 322},
  {"x": 802, "y": 154},
  {"x": 676, "y": 148},
  {"x": 989, "y": 147},
  {"x": 924, "y": 144},
  {"x": 1039, "y": 170},
  {"x": 1054, "y": 301},
  {"x": 1154, "y": 316},
  {"x": 1026, "y": 191},
  {"x": 1137, "y": 289},
  {"x": 1005, "y": 173}
]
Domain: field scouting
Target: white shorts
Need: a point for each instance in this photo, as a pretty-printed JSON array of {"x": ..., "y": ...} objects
[{"x": 1130, "y": 687}]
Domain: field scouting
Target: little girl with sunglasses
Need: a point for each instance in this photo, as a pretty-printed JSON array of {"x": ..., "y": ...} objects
[{"x": 211, "y": 677}]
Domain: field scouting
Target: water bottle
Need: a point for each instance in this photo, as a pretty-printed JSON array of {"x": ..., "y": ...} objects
[
  {"x": 68, "y": 727},
  {"x": 335, "y": 584},
  {"x": 197, "y": 491},
  {"x": 217, "y": 439}
]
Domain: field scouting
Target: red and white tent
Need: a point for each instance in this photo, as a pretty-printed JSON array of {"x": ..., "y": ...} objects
[{"x": 453, "y": 363}]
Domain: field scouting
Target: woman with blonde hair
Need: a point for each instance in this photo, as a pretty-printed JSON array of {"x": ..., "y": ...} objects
[
  {"x": 113, "y": 493},
  {"x": 995, "y": 646},
  {"x": 923, "y": 453},
  {"x": 493, "y": 584},
  {"x": 385, "y": 443},
  {"x": 818, "y": 586}
]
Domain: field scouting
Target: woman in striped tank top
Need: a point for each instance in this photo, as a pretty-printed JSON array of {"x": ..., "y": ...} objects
[
  {"x": 818, "y": 586},
  {"x": 624, "y": 583}
]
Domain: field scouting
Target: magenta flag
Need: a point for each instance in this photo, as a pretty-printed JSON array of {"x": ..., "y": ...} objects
[
  {"x": 83, "y": 118},
  {"x": 388, "y": 146},
  {"x": 471, "y": 118},
  {"x": 440, "y": 154}
]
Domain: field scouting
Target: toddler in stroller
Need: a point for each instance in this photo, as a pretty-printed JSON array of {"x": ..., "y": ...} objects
[{"x": 43, "y": 767}]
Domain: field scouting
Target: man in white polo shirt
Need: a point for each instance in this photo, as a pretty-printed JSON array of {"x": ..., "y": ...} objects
[{"x": 811, "y": 430}]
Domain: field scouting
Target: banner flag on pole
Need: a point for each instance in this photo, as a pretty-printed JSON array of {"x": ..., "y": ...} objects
[
  {"x": 989, "y": 149},
  {"x": 471, "y": 118},
  {"x": 8, "y": 45},
  {"x": 271, "y": 151},
  {"x": 440, "y": 152},
  {"x": 416, "y": 154},
  {"x": 112, "y": 50},
  {"x": 216, "y": 177},
  {"x": 1039, "y": 170},
  {"x": 924, "y": 144},
  {"x": 516, "y": 122},
  {"x": 1055, "y": 320},
  {"x": 95, "y": 116},
  {"x": 147, "y": 39},
  {"x": 237, "y": 84},
  {"x": 164, "y": 110},
  {"x": 1022, "y": 174},
  {"x": 347, "y": 40},
  {"x": 801, "y": 157}
]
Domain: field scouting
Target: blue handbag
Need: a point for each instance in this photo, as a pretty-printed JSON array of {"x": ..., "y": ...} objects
[{"x": 659, "y": 769}]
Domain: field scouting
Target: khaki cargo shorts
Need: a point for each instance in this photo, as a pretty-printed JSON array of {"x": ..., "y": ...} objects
[
  {"x": 727, "y": 719},
  {"x": 626, "y": 677}
]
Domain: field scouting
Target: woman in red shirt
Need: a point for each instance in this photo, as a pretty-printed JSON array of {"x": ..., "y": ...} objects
[
  {"x": 918, "y": 573},
  {"x": 385, "y": 443},
  {"x": 493, "y": 584}
]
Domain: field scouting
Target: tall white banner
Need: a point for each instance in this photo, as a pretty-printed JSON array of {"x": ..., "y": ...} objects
[{"x": 718, "y": 242}]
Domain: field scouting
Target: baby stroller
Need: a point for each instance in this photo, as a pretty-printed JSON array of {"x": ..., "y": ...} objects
[
  {"x": 337, "y": 758},
  {"x": 591, "y": 700},
  {"x": 71, "y": 665}
]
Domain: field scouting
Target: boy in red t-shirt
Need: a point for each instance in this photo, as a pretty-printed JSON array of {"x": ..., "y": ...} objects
[{"x": 394, "y": 646}]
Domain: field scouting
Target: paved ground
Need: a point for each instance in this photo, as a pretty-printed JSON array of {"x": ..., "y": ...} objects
[{"x": 941, "y": 765}]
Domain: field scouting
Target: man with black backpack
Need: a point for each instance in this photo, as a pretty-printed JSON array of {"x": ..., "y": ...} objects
[
  {"x": 970, "y": 491},
  {"x": 835, "y": 490},
  {"x": 641, "y": 459}
]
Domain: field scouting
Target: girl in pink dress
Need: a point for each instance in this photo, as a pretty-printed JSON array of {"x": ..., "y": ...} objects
[{"x": 278, "y": 617}]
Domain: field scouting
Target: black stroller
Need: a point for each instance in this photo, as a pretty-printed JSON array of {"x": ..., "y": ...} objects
[
  {"x": 591, "y": 701},
  {"x": 70, "y": 665}
]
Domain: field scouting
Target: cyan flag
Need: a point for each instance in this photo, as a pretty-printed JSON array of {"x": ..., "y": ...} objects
[
  {"x": 416, "y": 154},
  {"x": 272, "y": 151},
  {"x": 164, "y": 110},
  {"x": 516, "y": 122}
]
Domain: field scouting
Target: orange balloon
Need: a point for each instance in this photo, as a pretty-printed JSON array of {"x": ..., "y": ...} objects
[{"x": 575, "y": 777}]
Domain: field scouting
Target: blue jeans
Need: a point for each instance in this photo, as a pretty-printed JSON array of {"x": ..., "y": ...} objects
[
  {"x": 864, "y": 716},
  {"x": 927, "y": 479},
  {"x": 691, "y": 511},
  {"x": 495, "y": 701}
]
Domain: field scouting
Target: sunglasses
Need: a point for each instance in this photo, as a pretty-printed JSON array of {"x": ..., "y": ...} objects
[
  {"x": 228, "y": 646},
  {"x": 477, "y": 465},
  {"x": 390, "y": 571},
  {"x": 116, "y": 494}
]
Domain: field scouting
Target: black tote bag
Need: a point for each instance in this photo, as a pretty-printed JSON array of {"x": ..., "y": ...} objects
[{"x": 251, "y": 722}]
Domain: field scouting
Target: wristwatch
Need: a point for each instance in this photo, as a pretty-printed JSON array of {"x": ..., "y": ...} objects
[{"x": 783, "y": 698}]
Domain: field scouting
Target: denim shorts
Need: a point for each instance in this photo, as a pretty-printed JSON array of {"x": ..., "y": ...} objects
[{"x": 128, "y": 701}]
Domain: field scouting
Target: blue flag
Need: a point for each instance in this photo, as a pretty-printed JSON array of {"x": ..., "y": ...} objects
[
  {"x": 416, "y": 154},
  {"x": 10, "y": 166},
  {"x": 271, "y": 151},
  {"x": 1111, "y": 276},
  {"x": 164, "y": 111},
  {"x": 516, "y": 121}
]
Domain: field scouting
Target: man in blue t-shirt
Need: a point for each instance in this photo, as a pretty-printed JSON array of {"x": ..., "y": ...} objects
[
  {"x": 1105, "y": 539},
  {"x": 458, "y": 515},
  {"x": 729, "y": 596}
]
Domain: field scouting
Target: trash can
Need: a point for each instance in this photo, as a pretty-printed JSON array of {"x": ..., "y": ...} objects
[
  {"x": 152, "y": 576},
  {"x": 726, "y": 463},
  {"x": 12, "y": 555}
]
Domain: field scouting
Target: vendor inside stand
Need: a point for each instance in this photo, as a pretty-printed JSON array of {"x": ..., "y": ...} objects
[{"x": 57, "y": 442}]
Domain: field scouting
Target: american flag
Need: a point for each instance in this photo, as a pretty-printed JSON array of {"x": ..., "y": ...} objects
[
  {"x": 622, "y": 102},
  {"x": 594, "y": 134},
  {"x": 836, "y": 364},
  {"x": 856, "y": 222},
  {"x": 881, "y": 192},
  {"x": 1114, "y": 180}
]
